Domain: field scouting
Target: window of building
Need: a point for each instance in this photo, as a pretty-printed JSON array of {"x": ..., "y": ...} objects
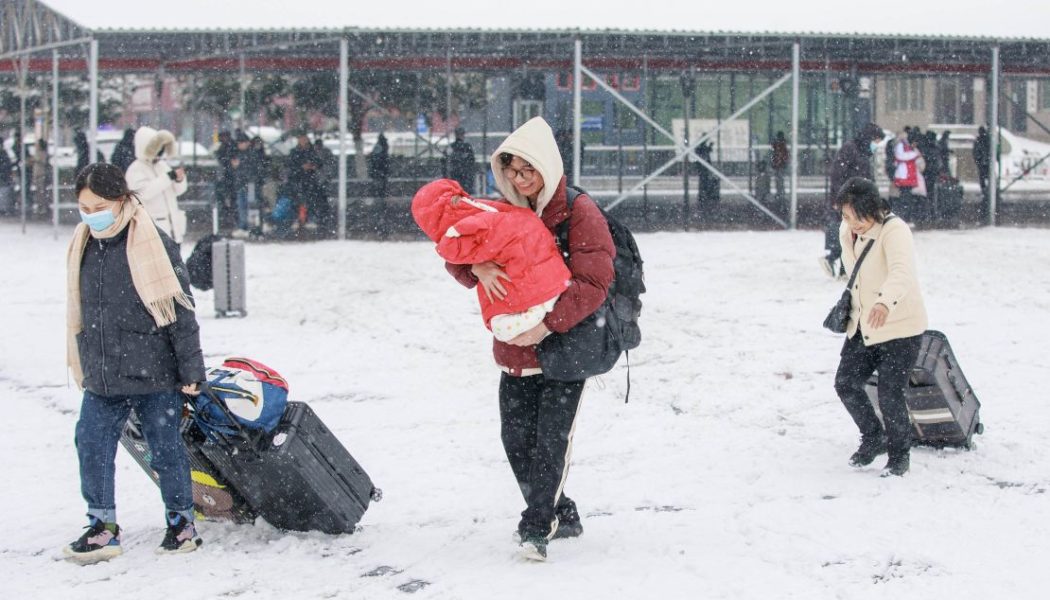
[
  {"x": 525, "y": 110},
  {"x": 905, "y": 94},
  {"x": 1044, "y": 94}
]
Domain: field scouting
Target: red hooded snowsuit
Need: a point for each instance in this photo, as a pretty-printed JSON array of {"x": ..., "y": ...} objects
[{"x": 508, "y": 235}]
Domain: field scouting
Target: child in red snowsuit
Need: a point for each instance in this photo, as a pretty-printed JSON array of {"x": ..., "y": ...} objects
[{"x": 470, "y": 231}]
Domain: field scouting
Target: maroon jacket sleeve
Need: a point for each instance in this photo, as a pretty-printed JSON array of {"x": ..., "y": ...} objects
[
  {"x": 462, "y": 273},
  {"x": 591, "y": 254}
]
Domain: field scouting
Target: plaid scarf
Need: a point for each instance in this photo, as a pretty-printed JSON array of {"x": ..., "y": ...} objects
[{"x": 151, "y": 273}]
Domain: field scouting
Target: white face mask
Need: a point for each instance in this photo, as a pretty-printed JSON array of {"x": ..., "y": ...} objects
[{"x": 873, "y": 146}]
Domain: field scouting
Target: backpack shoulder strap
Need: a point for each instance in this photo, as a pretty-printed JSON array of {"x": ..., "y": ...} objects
[{"x": 571, "y": 193}]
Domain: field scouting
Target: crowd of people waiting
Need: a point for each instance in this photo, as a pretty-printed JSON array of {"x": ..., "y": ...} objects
[{"x": 915, "y": 162}]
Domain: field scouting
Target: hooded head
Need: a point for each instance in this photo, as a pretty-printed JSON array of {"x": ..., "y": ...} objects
[
  {"x": 435, "y": 211},
  {"x": 149, "y": 142},
  {"x": 868, "y": 137},
  {"x": 534, "y": 143}
]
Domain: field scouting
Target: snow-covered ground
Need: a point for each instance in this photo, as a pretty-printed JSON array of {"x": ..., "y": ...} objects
[{"x": 724, "y": 477}]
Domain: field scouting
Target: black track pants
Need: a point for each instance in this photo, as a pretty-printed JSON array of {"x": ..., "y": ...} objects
[
  {"x": 538, "y": 418},
  {"x": 893, "y": 360}
]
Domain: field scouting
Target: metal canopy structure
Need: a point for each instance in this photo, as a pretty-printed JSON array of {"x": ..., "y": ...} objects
[
  {"x": 32, "y": 25},
  {"x": 296, "y": 50},
  {"x": 29, "y": 28}
]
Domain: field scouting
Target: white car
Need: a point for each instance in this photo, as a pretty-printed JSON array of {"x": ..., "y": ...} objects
[{"x": 1019, "y": 156}]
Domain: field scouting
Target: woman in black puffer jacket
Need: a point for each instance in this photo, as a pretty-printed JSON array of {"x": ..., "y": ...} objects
[{"x": 132, "y": 343}]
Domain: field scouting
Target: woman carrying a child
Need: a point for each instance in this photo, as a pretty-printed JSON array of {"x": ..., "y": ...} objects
[{"x": 537, "y": 414}]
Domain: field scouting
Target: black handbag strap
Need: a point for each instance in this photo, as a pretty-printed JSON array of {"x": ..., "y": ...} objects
[{"x": 856, "y": 267}]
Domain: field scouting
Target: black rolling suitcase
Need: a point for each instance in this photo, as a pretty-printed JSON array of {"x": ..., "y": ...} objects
[
  {"x": 213, "y": 498},
  {"x": 300, "y": 477},
  {"x": 943, "y": 408}
]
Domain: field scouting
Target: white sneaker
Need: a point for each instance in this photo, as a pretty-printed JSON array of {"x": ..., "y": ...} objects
[{"x": 534, "y": 549}]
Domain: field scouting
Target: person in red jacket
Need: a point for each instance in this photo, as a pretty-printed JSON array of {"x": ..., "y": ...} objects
[
  {"x": 470, "y": 231},
  {"x": 538, "y": 415}
]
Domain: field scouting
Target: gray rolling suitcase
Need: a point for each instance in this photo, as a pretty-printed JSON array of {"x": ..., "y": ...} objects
[
  {"x": 943, "y": 408},
  {"x": 227, "y": 267}
]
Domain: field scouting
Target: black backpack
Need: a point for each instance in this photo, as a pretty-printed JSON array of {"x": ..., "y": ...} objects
[
  {"x": 629, "y": 282},
  {"x": 199, "y": 263},
  {"x": 594, "y": 345}
]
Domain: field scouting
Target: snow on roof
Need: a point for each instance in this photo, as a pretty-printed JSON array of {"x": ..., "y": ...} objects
[{"x": 895, "y": 18}]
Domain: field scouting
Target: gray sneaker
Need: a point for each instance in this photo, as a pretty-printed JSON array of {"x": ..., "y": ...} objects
[
  {"x": 100, "y": 542},
  {"x": 180, "y": 537}
]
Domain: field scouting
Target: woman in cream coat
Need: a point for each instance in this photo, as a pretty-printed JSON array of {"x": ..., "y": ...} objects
[
  {"x": 156, "y": 183},
  {"x": 886, "y": 323}
]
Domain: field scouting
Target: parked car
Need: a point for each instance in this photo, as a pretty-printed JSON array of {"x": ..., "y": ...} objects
[{"x": 1017, "y": 154}]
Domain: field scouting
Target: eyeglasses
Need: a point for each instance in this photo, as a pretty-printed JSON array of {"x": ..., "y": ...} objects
[{"x": 526, "y": 173}]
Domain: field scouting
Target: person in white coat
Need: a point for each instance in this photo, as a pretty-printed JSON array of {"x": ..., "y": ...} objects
[{"x": 156, "y": 183}]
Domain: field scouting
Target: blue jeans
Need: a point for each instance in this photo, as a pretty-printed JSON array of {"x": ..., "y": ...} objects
[
  {"x": 98, "y": 433},
  {"x": 242, "y": 208}
]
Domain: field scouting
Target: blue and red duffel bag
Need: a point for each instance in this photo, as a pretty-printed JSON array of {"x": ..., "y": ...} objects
[{"x": 254, "y": 395}]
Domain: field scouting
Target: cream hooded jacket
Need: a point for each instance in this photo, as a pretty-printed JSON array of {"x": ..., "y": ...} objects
[
  {"x": 887, "y": 276},
  {"x": 150, "y": 181},
  {"x": 534, "y": 143}
]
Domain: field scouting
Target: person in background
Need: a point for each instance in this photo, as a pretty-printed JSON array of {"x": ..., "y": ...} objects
[
  {"x": 40, "y": 178},
  {"x": 780, "y": 160},
  {"x": 982, "y": 159},
  {"x": 124, "y": 152},
  {"x": 945, "y": 153},
  {"x": 538, "y": 415},
  {"x": 906, "y": 174},
  {"x": 326, "y": 177},
  {"x": 7, "y": 190},
  {"x": 132, "y": 342},
  {"x": 244, "y": 169},
  {"x": 931, "y": 172},
  {"x": 379, "y": 167},
  {"x": 156, "y": 183},
  {"x": 303, "y": 165},
  {"x": 852, "y": 160},
  {"x": 329, "y": 170},
  {"x": 80, "y": 142},
  {"x": 462, "y": 165},
  {"x": 886, "y": 323},
  {"x": 225, "y": 184}
]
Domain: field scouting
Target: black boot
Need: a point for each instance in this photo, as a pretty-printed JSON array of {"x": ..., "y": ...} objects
[
  {"x": 569, "y": 525},
  {"x": 897, "y": 465},
  {"x": 870, "y": 447}
]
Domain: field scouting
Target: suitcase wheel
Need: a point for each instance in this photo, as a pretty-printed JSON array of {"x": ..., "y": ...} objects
[
  {"x": 376, "y": 495},
  {"x": 979, "y": 429}
]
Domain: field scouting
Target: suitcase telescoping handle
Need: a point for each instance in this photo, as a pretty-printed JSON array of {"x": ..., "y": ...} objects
[{"x": 216, "y": 399}]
